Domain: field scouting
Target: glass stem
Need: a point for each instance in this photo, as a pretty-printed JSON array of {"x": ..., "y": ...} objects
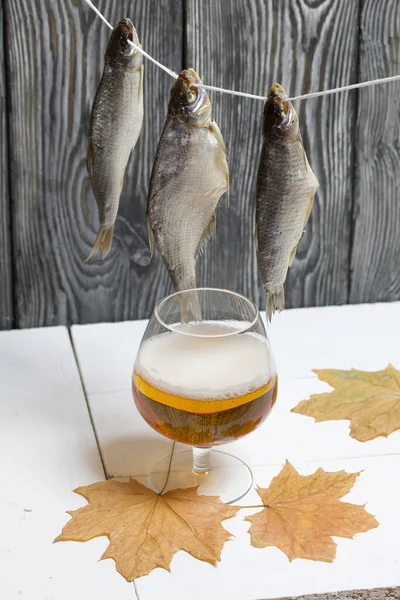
[{"x": 201, "y": 460}]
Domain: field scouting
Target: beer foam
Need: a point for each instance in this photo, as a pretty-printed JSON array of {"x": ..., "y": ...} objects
[{"x": 214, "y": 364}]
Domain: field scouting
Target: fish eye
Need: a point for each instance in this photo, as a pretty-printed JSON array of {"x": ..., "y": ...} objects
[{"x": 191, "y": 96}]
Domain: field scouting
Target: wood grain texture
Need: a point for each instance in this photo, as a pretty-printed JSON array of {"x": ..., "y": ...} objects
[
  {"x": 6, "y": 308},
  {"x": 306, "y": 45},
  {"x": 375, "y": 594},
  {"x": 55, "y": 67},
  {"x": 375, "y": 259}
]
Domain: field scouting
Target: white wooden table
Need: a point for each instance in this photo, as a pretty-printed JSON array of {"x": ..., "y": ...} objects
[{"x": 50, "y": 444}]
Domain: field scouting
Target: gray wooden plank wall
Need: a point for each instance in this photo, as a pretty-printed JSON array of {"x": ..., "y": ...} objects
[
  {"x": 375, "y": 261},
  {"x": 351, "y": 248},
  {"x": 55, "y": 67},
  {"x": 305, "y": 46},
  {"x": 6, "y": 304}
]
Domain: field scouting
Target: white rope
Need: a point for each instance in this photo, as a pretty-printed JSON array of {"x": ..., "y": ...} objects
[
  {"x": 138, "y": 48},
  {"x": 353, "y": 86},
  {"x": 231, "y": 92},
  {"x": 344, "y": 88},
  {"x": 98, "y": 13}
]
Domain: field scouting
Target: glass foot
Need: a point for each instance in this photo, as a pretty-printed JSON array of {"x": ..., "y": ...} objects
[{"x": 229, "y": 477}]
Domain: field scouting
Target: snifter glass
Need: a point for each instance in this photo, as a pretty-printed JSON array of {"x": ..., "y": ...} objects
[{"x": 204, "y": 376}]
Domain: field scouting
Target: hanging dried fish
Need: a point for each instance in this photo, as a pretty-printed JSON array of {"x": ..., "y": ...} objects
[
  {"x": 286, "y": 186},
  {"x": 189, "y": 176},
  {"x": 115, "y": 126}
]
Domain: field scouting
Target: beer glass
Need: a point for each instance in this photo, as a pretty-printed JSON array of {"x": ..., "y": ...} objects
[{"x": 204, "y": 376}]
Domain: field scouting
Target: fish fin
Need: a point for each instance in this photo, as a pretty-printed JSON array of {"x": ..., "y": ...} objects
[
  {"x": 314, "y": 183},
  {"x": 103, "y": 242},
  {"x": 306, "y": 163},
  {"x": 312, "y": 179},
  {"x": 150, "y": 235},
  {"x": 275, "y": 302},
  {"x": 309, "y": 209},
  {"x": 190, "y": 307},
  {"x": 89, "y": 157},
  {"x": 292, "y": 255},
  {"x": 208, "y": 233},
  {"x": 308, "y": 212},
  {"x": 215, "y": 130},
  {"x": 136, "y": 138}
]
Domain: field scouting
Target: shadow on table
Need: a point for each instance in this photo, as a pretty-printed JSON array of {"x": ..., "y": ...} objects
[{"x": 134, "y": 456}]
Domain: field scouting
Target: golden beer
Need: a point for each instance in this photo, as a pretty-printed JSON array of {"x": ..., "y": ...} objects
[{"x": 205, "y": 389}]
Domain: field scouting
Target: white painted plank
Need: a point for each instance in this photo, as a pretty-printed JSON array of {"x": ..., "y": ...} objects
[
  {"x": 369, "y": 560},
  {"x": 339, "y": 337},
  {"x": 363, "y": 336},
  {"x": 106, "y": 353},
  {"x": 48, "y": 448}
]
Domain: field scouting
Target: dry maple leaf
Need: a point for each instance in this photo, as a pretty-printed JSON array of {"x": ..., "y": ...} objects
[
  {"x": 146, "y": 529},
  {"x": 302, "y": 513},
  {"x": 371, "y": 400}
]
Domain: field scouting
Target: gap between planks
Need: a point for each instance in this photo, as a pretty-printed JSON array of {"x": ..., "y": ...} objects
[{"x": 78, "y": 366}]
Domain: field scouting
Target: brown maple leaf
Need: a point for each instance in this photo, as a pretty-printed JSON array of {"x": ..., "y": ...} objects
[
  {"x": 146, "y": 529},
  {"x": 302, "y": 513},
  {"x": 371, "y": 400}
]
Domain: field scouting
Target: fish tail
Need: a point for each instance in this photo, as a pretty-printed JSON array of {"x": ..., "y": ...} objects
[
  {"x": 190, "y": 307},
  {"x": 275, "y": 301},
  {"x": 103, "y": 242}
]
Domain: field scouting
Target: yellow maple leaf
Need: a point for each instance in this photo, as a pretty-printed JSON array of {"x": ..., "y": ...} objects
[
  {"x": 370, "y": 400},
  {"x": 146, "y": 529},
  {"x": 302, "y": 513}
]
